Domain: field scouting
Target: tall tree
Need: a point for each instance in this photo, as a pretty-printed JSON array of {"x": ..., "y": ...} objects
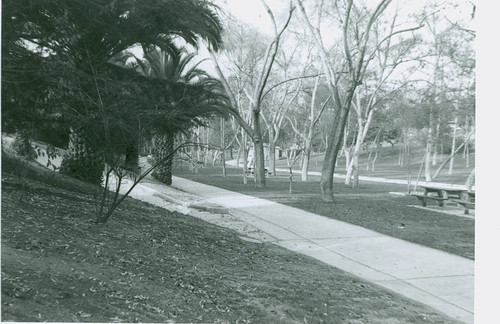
[
  {"x": 377, "y": 87},
  {"x": 189, "y": 94},
  {"x": 449, "y": 89},
  {"x": 356, "y": 28},
  {"x": 318, "y": 101},
  {"x": 254, "y": 130}
]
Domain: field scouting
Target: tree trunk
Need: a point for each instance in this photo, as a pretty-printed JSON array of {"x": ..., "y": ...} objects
[
  {"x": 272, "y": 151},
  {"x": 428, "y": 151},
  {"x": 467, "y": 159},
  {"x": 245, "y": 160},
  {"x": 435, "y": 145},
  {"x": 369, "y": 158},
  {"x": 346, "y": 150},
  {"x": 164, "y": 146},
  {"x": 238, "y": 157},
  {"x": 241, "y": 148},
  {"x": 334, "y": 144},
  {"x": 408, "y": 162},
  {"x": 420, "y": 169},
  {"x": 223, "y": 148},
  {"x": 428, "y": 162},
  {"x": 375, "y": 157},
  {"x": 258, "y": 151},
  {"x": 401, "y": 150},
  {"x": 374, "y": 147},
  {"x": 306, "y": 158},
  {"x": 363, "y": 126},
  {"x": 132, "y": 157},
  {"x": 471, "y": 179},
  {"x": 466, "y": 140},
  {"x": 355, "y": 154},
  {"x": 465, "y": 153},
  {"x": 453, "y": 145},
  {"x": 355, "y": 171}
]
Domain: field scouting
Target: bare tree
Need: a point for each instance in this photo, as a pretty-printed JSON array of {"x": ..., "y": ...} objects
[
  {"x": 254, "y": 130},
  {"x": 453, "y": 153},
  {"x": 307, "y": 132},
  {"x": 283, "y": 95},
  {"x": 375, "y": 89},
  {"x": 357, "y": 29}
]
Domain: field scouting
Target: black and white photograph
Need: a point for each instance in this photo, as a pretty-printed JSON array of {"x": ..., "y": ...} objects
[{"x": 259, "y": 161}]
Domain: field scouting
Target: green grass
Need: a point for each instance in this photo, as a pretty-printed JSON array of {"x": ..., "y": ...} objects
[
  {"x": 371, "y": 206},
  {"x": 387, "y": 166},
  {"x": 152, "y": 265}
]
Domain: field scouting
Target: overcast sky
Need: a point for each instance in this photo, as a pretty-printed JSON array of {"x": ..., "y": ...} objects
[{"x": 252, "y": 11}]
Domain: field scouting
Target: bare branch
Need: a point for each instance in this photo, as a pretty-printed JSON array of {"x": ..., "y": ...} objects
[
  {"x": 321, "y": 111},
  {"x": 289, "y": 80},
  {"x": 270, "y": 56}
]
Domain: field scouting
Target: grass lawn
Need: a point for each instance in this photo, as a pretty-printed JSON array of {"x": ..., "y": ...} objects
[
  {"x": 371, "y": 206},
  {"x": 151, "y": 265},
  {"x": 387, "y": 166}
]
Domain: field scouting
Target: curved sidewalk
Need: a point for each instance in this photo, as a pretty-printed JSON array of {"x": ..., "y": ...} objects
[{"x": 438, "y": 279}]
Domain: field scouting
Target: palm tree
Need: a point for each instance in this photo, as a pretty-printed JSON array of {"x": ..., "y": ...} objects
[
  {"x": 189, "y": 94},
  {"x": 80, "y": 39}
]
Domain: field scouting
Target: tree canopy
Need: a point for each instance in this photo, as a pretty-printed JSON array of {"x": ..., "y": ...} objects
[{"x": 57, "y": 55}]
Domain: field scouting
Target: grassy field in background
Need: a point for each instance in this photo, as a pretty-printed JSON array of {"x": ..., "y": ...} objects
[
  {"x": 370, "y": 206},
  {"x": 387, "y": 166}
]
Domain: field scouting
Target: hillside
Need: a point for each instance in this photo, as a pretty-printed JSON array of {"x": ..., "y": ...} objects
[{"x": 151, "y": 265}]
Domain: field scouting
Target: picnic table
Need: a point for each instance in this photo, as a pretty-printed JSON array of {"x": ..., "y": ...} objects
[
  {"x": 468, "y": 201},
  {"x": 251, "y": 171},
  {"x": 464, "y": 198},
  {"x": 439, "y": 194}
]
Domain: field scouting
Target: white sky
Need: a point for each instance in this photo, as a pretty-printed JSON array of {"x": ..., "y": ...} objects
[{"x": 252, "y": 11}]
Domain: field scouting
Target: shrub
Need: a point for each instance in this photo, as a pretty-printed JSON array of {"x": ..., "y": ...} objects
[{"x": 22, "y": 147}]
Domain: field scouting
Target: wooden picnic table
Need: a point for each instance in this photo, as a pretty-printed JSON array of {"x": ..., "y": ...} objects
[
  {"x": 470, "y": 195},
  {"x": 467, "y": 201},
  {"x": 440, "y": 194},
  {"x": 443, "y": 192},
  {"x": 251, "y": 171}
]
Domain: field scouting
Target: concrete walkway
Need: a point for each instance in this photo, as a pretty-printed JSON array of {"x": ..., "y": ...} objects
[{"x": 438, "y": 279}]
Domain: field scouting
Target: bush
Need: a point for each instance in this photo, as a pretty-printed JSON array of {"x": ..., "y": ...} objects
[
  {"x": 84, "y": 165},
  {"x": 22, "y": 147}
]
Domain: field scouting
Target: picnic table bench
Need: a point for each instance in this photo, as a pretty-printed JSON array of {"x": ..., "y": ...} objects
[
  {"x": 467, "y": 205},
  {"x": 250, "y": 171},
  {"x": 439, "y": 194},
  {"x": 194, "y": 165},
  {"x": 199, "y": 164},
  {"x": 467, "y": 201},
  {"x": 462, "y": 197}
]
